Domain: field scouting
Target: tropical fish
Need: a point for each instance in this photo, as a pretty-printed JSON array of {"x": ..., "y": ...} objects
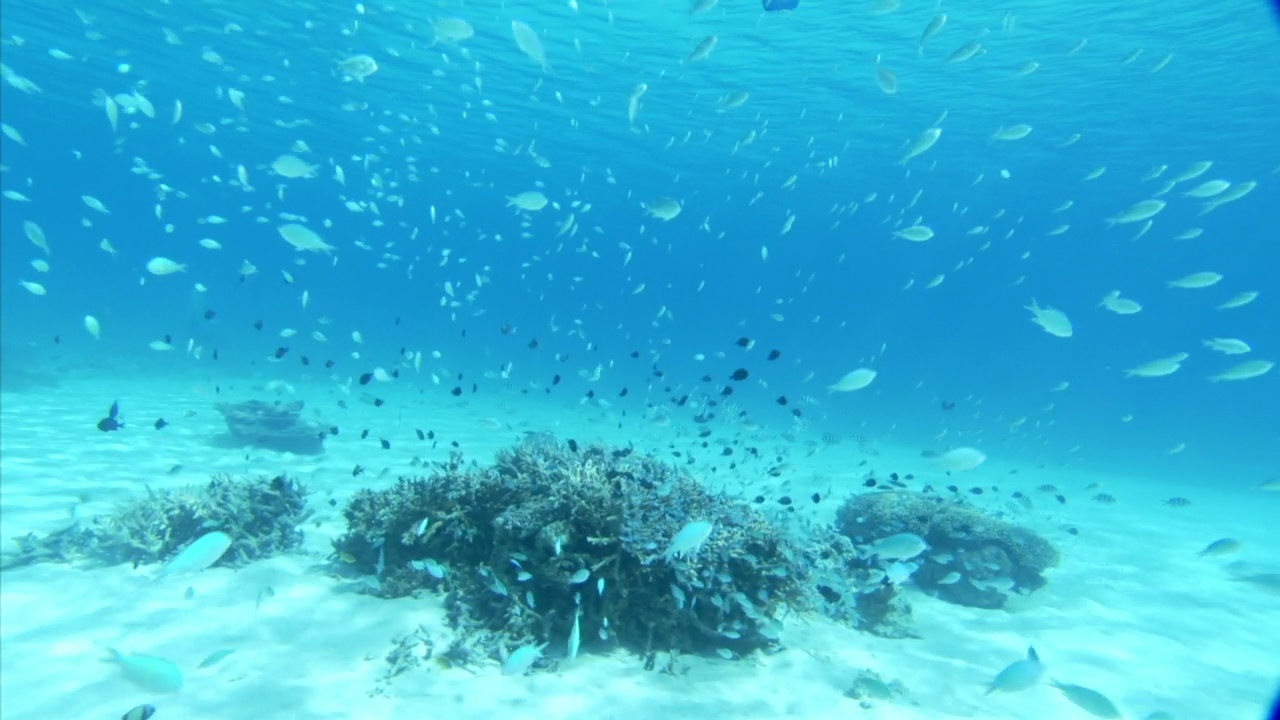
[{"x": 1019, "y": 675}]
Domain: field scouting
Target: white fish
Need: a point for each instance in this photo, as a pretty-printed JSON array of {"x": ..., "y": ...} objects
[
  {"x": 579, "y": 577},
  {"x": 303, "y": 238},
  {"x": 915, "y": 233},
  {"x": 1055, "y": 322},
  {"x": 164, "y": 266},
  {"x": 1020, "y": 675},
  {"x": 1196, "y": 170},
  {"x": 529, "y": 200},
  {"x": 1158, "y": 368},
  {"x": 1240, "y": 300},
  {"x": 854, "y": 380},
  {"x": 1244, "y": 371},
  {"x": 1013, "y": 132},
  {"x": 36, "y": 235},
  {"x": 1207, "y": 189},
  {"x": 1227, "y": 346},
  {"x": 358, "y": 67},
  {"x": 92, "y": 326},
  {"x": 927, "y": 139},
  {"x": 529, "y": 43},
  {"x": 205, "y": 551},
  {"x": 665, "y": 209},
  {"x": 902, "y": 546},
  {"x": 34, "y": 288},
  {"x": 1119, "y": 305},
  {"x": 293, "y": 167},
  {"x": 961, "y": 459},
  {"x": 95, "y": 204},
  {"x": 703, "y": 49},
  {"x": 575, "y": 635},
  {"x": 521, "y": 659},
  {"x": 1196, "y": 281},
  {"x": 689, "y": 539},
  {"x": 450, "y": 31},
  {"x": 1138, "y": 212}
]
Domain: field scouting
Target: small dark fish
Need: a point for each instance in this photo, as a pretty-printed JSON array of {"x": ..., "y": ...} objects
[
  {"x": 162, "y": 424},
  {"x": 456, "y": 391},
  {"x": 142, "y": 712},
  {"x": 1062, "y": 499},
  {"x": 739, "y": 375},
  {"x": 975, "y": 490},
  {"x": 869, "y": 482},
  {"x": 366, "y": 378},
  {"x": 111, "y": 422},
  {"x": 816, "y": 498},
  {"x": 782, "y": 400},
  {"x": 210, "y": 314},
  {"x": 784, "y": 500},
  {"x": 746, "y": 342},
  {"x": 257, "y": 325},
  {"x": 421, "y": 435},
  {"x": 1177, "y": 502},
  {"x": 1047, "y": 489},
  {"x": 533, "y": 344},
  {"x": 1104, "y": 498},
  {"x": 386, "y": 444},
  {"x": 573, "y": 445},
  {"x": 357, "y": 471},
  {"x": 280, "y": 352},
  {"x": 328, "y": 363},
  {"x": 774, "y": 354},
  {"x": 948, "y": 405}
]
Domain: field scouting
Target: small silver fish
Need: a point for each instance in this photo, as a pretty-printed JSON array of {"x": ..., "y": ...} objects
[
  {"x": 575, "y": 635},
  {"x": 580, "y": 576}
]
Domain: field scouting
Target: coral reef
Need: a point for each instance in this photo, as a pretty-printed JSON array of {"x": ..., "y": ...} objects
[
  {"x": 272, "y": 426},
  {"x": 973, "y": 559},
  {"x": 262, "y": 516},
  {"x": 631, "y": 550}
]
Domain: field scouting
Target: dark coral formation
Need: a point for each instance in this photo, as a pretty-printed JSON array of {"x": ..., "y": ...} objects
[
  {"x": 963, "y": 539},
  {"x": 261, "y": 515},
  {"x": 511, "y": 545},
  {"x": 272, "y": 426}
]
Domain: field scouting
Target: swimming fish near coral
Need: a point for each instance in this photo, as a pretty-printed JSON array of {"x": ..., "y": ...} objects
[
  {"x": 691, "y": 537},
  {"x": 1019, "y": 675},
  {"x": 1224, "y": 546},
  {"x": 205, "y": 551},
  {"x": 902, "y": 546}
]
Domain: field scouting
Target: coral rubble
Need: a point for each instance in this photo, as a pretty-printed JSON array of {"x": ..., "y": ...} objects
[
  {"x": 551, "y": 535},
  {"x": 262, "y": 516},
  {"x": 974, "y": 559}
]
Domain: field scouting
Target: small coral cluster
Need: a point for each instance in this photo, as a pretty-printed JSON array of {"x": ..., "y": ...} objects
[
  {"x": 262, "y": 516},
  {"x": 551, "y": 535},
  {"x": 973, "y": 559}
]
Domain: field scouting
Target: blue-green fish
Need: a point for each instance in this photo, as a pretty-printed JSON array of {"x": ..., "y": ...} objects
[
  {"x": 1019, "y": 675},
  {"x": 142, "y": 712},
  {"x": 1091, "y": 701}
]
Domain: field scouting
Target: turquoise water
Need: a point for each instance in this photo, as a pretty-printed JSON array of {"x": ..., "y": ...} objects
[
  {"x": 817, "y": 140},
  {"x": 813, "y": 98}
]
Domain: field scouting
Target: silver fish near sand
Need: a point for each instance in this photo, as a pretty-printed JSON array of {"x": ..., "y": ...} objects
[
  {"x": 1089, "y": 700},
  {"x": 150, "y": 673},
  {"x": 1019, "y": 675}
]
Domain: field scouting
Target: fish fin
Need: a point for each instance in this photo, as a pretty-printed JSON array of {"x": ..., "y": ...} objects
[{"x": 1032, "y": 655}]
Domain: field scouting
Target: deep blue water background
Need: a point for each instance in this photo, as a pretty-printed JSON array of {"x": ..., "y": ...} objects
[{"x": 813, "y": 97}]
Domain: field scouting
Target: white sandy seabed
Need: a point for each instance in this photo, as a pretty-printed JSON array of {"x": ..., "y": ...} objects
[{"x": 1131, "y": 611}]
